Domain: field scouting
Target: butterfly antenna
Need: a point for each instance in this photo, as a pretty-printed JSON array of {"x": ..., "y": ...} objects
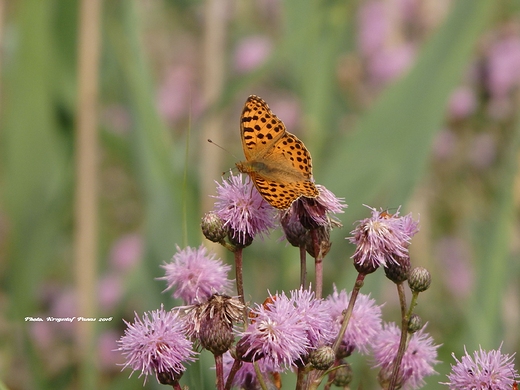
[{"x": 224, "y": 149}]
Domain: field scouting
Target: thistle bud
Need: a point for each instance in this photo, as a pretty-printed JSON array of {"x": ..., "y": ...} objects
[
  {"x": 343, "y": 375},
  {"x": 414, "y": 324},
  {"x": 322, "y": 358},
  {"x": 211, "y": 323},
  {"x": 419, "y": 279},
  {"x": 239, "y": 241},
  {"x": 398, "y": 269},
  {"x": 213, "y": 227},
  {"x": 324, "y": 244}
]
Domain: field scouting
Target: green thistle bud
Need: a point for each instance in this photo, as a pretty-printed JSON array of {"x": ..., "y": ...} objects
[
  {"x": 213, "y": 227},
  {"x": 419, "y": 279},
  {"x": 343, "y": 375},
  {"x": 414, "y": 324},
  {"x": 322, "y": 358}
]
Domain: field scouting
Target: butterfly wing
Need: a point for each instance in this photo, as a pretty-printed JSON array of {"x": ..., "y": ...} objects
[
  {"x": 259, "y": 127},
  {"x": 282, "y": 195},
  {"x": 278, "y": 163}
]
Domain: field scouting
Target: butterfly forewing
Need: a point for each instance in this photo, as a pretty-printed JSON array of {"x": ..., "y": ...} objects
[{"x": 260, "y": 128}]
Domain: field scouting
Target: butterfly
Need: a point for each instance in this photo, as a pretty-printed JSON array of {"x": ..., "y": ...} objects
[{"x": 278, "y": 163}]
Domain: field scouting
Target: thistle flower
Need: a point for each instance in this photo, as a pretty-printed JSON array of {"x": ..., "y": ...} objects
[
  {"x": 243, "y": 209},
  {"x": 196, "y": 275},
  {"x": 278, "y": 335},
  {"x": 418, "y": 360},
  {"x": 365, "y": 322},
  {"x": 315, "y": 313},
  {"x": 157, "y": 345},
  {"x": 314, "y": 212},
  {"x": 491, "y": 370},
  {"x": 382, "y": 238}
]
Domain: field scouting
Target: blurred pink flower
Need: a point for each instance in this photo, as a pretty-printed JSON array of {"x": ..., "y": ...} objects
[
  {"x": 483, "y": 150},
  {"x": 503, "y": 66},
  {"x": 251, "y": 52},
  {"x": 454, "y": 256},
  {"x": 109, "y": 292},
  {"x": 176, "y": 94},
  {"x": 463, "y": 103},
  {"x": 126, "y": 252},
  {"x": 42, "y": 333},
  {"x": 373, "y": 27},
  {"x": 288, "y": 110},
  {"x": 444, "y": 144},
  {"x": 388, "y": 64},
  {"x": 108, "y": 356}
]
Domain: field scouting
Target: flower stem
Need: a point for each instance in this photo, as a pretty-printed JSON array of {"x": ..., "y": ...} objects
[
  {"x": 318, "y": 264},
  {"x": 303, "y": 266},
  {"x": 404, "y": 336},
  {"x": 348, "y": 312},
  {"x": 240, "y": 281},
  {"x": 234, "y": 369},
  {"x": 259, "y": 376},
  {"x": 219, "y": 365}
]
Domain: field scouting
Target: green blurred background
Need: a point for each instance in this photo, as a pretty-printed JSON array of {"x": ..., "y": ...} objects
[{"x": 401, "y": 102}]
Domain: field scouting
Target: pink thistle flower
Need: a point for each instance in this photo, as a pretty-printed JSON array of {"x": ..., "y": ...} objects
[
  {"x": 196, "y": 275},
  {"x": 315, "y": 313},
  {"x": 491, "y": 370},
  {"x": 278, "y": 334},
  {"x": 418, "y": 360},
  {"x": 156, "y": 345},
  {"x": 382, "y": 238},
  {"x": 243, "y": 209},
  {"x": 364, "y": 324},
  {"x": 314, "y": 212}
]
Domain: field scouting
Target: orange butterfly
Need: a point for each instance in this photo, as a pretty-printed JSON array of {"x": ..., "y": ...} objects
[{"x": 278, "y": 163}]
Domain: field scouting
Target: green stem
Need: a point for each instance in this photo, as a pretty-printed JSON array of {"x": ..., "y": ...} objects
[{"x": 404, "y": 337}]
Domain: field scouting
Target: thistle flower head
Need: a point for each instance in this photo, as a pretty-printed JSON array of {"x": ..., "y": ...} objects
[
  {"x": 278, "y": 334},
  {"x": 418, "y": 360},
  {"x": 492, "y": 370},
  {"x": 156, "y": 345},
  {"x": 315, "y": 313},
  {"x": 382, "y": 238},
  {"x": 365, "y": 322},
  {"x": 196, "y": 275},
  {"x": 243, "y": 209}
]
